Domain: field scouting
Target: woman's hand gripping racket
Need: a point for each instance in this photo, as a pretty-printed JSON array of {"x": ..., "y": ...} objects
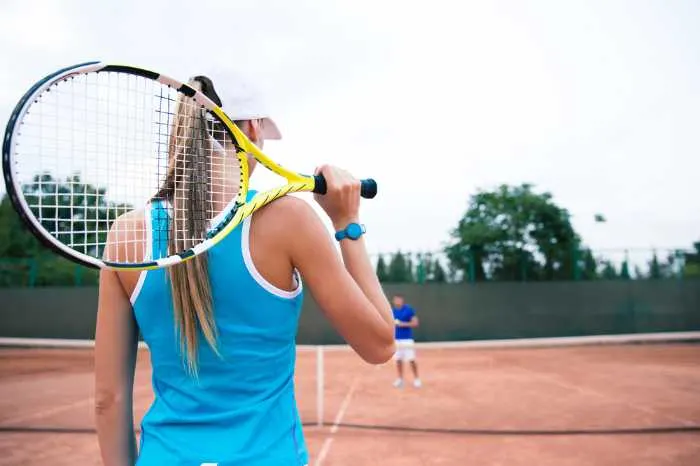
[{"x": 95, "y": 156}]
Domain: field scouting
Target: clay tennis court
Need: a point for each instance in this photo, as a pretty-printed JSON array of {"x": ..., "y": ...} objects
[{"x": 636, "y": 404}]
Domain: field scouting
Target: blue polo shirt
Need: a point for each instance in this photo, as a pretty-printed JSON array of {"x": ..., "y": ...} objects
[{"x": 405, "y": 313}]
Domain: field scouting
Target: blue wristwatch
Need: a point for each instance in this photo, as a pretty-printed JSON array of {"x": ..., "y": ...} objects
[{"x": 352, "y": 231}]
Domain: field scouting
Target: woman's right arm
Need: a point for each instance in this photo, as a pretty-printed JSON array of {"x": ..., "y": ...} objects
[
  {"x": 349, "y": 294},
  {"x": 116, "y": 347}
]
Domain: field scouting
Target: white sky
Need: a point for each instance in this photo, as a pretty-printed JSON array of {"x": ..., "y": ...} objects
[{"x": 597, "y": 102}]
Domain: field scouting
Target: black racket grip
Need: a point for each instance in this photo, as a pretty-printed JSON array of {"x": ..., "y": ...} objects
[{"x": 368, "y": 187}]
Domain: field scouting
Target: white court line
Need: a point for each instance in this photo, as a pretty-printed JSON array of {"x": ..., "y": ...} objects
[
  {"x": 324, "y": 451},
  {"x": 338, "y": 419},
  {"x": 593, "y": 340},
  {"x": 543, "y": 342},
  {"x": 57, "y": 343}
]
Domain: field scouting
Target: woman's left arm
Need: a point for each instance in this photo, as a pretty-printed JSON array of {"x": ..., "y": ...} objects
[{"x": 116, "y": 345}]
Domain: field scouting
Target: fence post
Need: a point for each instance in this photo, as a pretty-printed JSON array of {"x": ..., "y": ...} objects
[{"x": 680, "y": 260}]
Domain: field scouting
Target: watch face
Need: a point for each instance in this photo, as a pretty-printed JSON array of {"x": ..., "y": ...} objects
[{"x": 354, "y": 231}]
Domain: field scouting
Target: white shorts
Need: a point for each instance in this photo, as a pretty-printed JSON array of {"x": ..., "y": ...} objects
[{"x": 405, "y": 350}]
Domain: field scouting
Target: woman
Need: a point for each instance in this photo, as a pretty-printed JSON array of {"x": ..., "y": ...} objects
[{"x": 221, "y": 328}]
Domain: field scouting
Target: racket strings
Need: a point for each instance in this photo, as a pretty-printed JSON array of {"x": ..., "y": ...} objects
[
  {"x": 94, "y": 149},
  {"x": 201, "y": 173}
]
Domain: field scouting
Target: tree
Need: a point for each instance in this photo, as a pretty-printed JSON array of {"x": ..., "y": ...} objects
[
  {"x": 438, "y": 273},
  {"x": 654, "y": 267},
  {"x": 65, "y": 206},
  {"x": 15, "y": 240},
  {"x": 625, "y": 270},
  {"x": 410, "y": 278},
  {"x": 382, "y": 273},
  {"x": 72, "y": 205},
  {"x": 513, "y": 233},
  {"x": 398, "y": 269},
  {"x": 609, "y": 272},
  {"x": 588, "y": 265},
  {"x": 691, "y": 266},
  {"x": 670, "y": 267}
]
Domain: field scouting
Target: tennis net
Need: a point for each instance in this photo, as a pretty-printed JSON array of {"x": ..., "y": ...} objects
[{"x": 620, "y": 384}]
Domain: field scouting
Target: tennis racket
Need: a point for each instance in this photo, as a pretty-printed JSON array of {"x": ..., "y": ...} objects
[{"x": 93, "y": 151}]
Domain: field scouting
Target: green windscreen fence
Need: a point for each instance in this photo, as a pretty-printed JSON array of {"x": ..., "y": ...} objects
[{"x": 447, "y": 311}]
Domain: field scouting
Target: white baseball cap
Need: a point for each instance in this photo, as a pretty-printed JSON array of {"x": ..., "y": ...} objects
[{"x": 241, "y": 101}]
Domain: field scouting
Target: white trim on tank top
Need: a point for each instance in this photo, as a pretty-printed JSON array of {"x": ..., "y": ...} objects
[
  {"x": 147, "y": 256},
  {"x": 248, "y": 259}
]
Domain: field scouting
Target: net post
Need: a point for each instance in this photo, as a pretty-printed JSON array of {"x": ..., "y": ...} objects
[{"x": 319, "y": 385}]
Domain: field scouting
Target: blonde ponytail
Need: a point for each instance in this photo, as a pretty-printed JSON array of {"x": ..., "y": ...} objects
[{"x": 186, "y": 187}]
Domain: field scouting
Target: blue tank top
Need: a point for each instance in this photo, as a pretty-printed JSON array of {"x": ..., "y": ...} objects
[{"x": 241, "y": 409}]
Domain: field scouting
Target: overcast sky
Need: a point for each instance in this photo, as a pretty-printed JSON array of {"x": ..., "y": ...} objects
[{"x": 597, "y": 102}]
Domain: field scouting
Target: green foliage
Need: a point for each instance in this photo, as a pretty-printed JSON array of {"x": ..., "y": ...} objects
[
  {"x": 382, "y": 273},
  {"x": 666, "y": 268},
  {"x": 609, "y": 272},
  {"x": 654, "y": 268},
  {"x": 669, "y": 267},
  {"x": 691, "y": 271},
  {"x": 399, "y": 271},
  {"x": 438, "y": 273},
  {"x": 514, "y": 233},
  {"x": 427, "y": 269},
  {"x": 73, "y": 206},
  {"x": 15, "y": 240},
  {"x": 65, "y": 206},
  {"x": 588, "y": 265},
  {"x": 691, "y": 265},
  {"x": 625, "y": 270},
  {"x": 410, "y": 278}
]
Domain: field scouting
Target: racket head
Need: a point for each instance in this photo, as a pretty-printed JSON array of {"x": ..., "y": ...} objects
[{"x": 88, "y": 148}]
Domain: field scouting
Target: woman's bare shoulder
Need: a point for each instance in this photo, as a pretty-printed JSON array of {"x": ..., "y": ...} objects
[{"x": 285, "y": 212}]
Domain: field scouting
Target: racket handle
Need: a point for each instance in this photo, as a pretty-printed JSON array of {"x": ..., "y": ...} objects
[{"x": 368, "y": 187}]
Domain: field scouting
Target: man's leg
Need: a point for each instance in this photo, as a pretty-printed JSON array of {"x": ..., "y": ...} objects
[
  {"x": 414, "y": 367},
  {"x": 399, "y": 369}
]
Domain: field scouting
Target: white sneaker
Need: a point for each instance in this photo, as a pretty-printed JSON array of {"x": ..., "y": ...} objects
[
  {"x": 398, "y": 383},
  {"x": 417, "y": 383}
]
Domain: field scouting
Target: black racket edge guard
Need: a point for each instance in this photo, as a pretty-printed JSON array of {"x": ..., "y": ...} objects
[{"x": 368, "y": 187}]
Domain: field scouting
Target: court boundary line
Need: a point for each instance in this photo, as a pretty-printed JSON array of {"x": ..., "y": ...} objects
[
  {"x": 326, "y": 447},
  {"x": 58, "y": 343},
  {"x": 585, "y": 340}
]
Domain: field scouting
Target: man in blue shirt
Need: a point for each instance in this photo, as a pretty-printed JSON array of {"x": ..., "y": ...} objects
[{"x": 405, "y": 320}]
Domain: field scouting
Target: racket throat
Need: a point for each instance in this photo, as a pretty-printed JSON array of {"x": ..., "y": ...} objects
[{"x": 223, "y": 218}]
